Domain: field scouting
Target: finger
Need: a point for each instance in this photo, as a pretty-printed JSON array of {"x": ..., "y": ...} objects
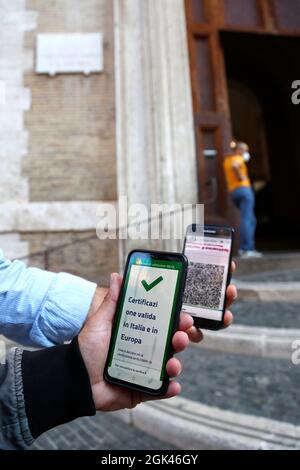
[
  {"x": 174, "y": 388},
  {"x": 115, "y": 286},
  {"x": 173, "y": 367},
  {"x": 180, "y": 341},
  {"x": 195, "y": 335},
  {"x": 233, "y": 266},
  {"x": 228, "y": 319},
  {"x": 231, "y": 295},
  {"x": 108, "y": 306},
  {"x": 185, "y": 322}
]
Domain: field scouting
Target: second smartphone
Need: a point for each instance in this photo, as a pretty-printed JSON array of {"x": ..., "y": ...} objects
[
  {"x": 146, "y": 318},
  {"x": 209, "y": 252}
]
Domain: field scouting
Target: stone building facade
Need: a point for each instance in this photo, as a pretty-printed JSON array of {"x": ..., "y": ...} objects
[
  {"x": 71, "y": 142},
  {"x": 153, "y": 125}
]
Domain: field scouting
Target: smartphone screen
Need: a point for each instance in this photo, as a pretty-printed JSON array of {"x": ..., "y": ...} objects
[
  {"x": 209, "y": 254},
  {"x": 149, "y": 302}
]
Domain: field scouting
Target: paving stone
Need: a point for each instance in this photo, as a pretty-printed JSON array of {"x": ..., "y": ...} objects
[
  {"x": 258, "y": 386},
  {"x": 100, "y": 432}
]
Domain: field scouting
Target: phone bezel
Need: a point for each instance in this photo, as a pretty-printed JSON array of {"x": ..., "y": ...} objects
[
  {"x": 167, "y": 256},
  {"x": 206, "y": 323}
]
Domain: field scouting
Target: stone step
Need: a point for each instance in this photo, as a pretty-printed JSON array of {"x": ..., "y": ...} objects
[
  {"x": 268, "y": 291},
  {"x": 267, "y": 314},
  {"x": 187, "y": 424},
  {"x": 269, "y": 262},
  {"x": 291, "y": 275},
  {"x": 252, "y": 341}
]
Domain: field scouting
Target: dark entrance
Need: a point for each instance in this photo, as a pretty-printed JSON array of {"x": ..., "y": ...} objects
[{"x": 260, "y": 69}]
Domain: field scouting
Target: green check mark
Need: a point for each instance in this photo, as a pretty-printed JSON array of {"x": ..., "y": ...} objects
[{"x": 152, "y": 284}]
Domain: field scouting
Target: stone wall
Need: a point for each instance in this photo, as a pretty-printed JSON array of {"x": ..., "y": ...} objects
[
  {"x": 64, "y": 126},
  {"x": 57, "y": 139},
  {"x": 91, "y": 258},
  {"x": 71, "y": 122}
]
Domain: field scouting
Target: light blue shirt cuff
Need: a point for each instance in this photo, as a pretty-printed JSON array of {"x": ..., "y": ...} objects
[{"x": 63, "y": 311}]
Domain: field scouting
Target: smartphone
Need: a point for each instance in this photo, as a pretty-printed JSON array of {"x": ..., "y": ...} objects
[
  {"x": 209, "y": 252},
  {"x": 146, "y": 318}
]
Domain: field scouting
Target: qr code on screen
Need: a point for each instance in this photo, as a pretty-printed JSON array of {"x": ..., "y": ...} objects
[{"x": 204, "y": 285}]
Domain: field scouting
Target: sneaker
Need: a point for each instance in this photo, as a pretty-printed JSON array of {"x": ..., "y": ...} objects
[{"x": 250, "y": 254}]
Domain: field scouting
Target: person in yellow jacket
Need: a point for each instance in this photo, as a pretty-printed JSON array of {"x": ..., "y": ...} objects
[{"x": 239, "y": 187}]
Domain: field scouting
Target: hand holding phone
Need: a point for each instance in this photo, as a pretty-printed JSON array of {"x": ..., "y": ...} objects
[
  {"x": 146, "y": 318},
  {"x": 209, "y": 252},
  {"x": 94, "y": 341}
]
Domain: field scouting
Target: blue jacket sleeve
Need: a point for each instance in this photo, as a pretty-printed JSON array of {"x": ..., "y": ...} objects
[
  {"x": 14, "y": 427},
  {"x": 40, "y": 390},
  {"x": 39, "y": 307}
]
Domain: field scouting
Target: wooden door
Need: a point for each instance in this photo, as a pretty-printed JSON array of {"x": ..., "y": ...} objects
[
  {"x": 205, "y": 21},
  {"x": 210, "y": 102}
]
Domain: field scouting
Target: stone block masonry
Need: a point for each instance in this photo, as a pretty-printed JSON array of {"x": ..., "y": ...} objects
[
  {"x": 71, "y": 122},
  {"x": 57, "y": 139}
]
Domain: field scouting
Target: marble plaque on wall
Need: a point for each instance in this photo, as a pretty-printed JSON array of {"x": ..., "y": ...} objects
[{"x": 69, "y": 53}]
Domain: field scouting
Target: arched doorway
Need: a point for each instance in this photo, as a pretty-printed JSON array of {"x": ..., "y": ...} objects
[{"x": 260, "y": 70}]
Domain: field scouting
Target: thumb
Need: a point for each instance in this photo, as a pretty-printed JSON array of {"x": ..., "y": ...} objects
[{"x": 109, "y": 304}]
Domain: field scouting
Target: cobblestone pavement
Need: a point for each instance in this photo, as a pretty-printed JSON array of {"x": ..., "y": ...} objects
[
  {"x": 258, "y": 386},
  {"x": 292, "y": 275},
  {"x": 273, "y": 314},
  {"x": 255, "y": 386},
  {"x": 100, "y": 432}
]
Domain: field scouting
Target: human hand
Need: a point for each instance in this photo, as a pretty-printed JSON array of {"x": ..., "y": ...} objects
[{"x": 94, "y": 343}]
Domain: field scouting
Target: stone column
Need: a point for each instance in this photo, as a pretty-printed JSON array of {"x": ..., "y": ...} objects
[
  {"x": 155, "y": 132},
  {"x": 15, "y": 20}
]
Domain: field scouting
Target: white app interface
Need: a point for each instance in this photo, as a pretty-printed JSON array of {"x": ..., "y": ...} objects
[
  {"x": 207, "y": 275},
  {"x": 139, "y": 349}
]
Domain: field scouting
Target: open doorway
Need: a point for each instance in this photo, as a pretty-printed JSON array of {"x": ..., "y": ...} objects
[{"x": 260, "y": 70}]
